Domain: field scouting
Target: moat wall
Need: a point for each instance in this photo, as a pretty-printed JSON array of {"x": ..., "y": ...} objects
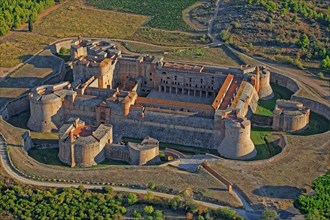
[{"x": 315, "y": 106}]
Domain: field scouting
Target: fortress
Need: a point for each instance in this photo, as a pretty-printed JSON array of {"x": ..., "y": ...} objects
[
  {"x": 140, "y": 96},
  {"x": 84, "y": 145}
]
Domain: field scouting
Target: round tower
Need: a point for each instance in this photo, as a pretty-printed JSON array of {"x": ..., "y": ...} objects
[
  {"x": 265, "y": 90},
  {"x": 45, "y": 109},
  {"x": 237, "y": 143}
]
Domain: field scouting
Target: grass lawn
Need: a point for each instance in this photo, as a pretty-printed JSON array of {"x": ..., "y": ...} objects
[
  {"x": 164, "y": 14},
  {"x": 46, "y": 156},
  {"x": 317, "y": 124},
  {"x": 49, "y": 156},
  {"x": 264, "y": 143},
  {"x": 266, "y": 107}
]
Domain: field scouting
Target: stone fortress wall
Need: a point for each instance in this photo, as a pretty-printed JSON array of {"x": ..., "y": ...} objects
[
  {"x": 118, "y": 104},
  {"x": 22, "y": 103},
  {"x": 179, "y": 122},
  {"x": 290, "y": 116},
  {"x": 291, "y": 84},
  {"x": 81, "y": 145},
  {"x": 236, "y": 134},
  {"x": 85, "y": 146}
]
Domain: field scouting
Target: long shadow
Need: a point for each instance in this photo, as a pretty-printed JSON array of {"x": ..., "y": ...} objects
[
  {"x": 232, "y": 55},
  {"x": 218, "y": 189},
  {"x": 278, "y": 192},
  {"x": 20, "y": 31},
  {"x": 42, "y": 61},
  {"x": 28, "y": 78}
]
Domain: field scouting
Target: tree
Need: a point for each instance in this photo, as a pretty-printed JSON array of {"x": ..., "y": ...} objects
[
  {"x": 325, "y": 64},
  {"x": 303, "y": 42},
  {"x": 158, "y": 215},
  {"x": 30, "y": 24},
  {"x": 200, "y": 217},
  {"x": 318, "y": 204},
  {"x": 269, "y": 214},
  {"x": 108, "y": 189},
  {"x": 192, "y": 207},
  {"x": 148, "y": 209},
  {"x": 81, "y": 188},
  {"x": 315, "y": 215},
  {"x": 137, "y": 214},
  {"x": 152, "y": 185},
  {"x": 132, "y": 198}
]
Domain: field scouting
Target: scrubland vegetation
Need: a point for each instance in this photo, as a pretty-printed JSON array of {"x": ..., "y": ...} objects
[{"x": 288, "y": 31}]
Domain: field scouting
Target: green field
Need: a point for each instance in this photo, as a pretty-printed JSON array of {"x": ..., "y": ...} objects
[
  {"x": 164, "y": 14},
  {"x": 46, "y": 156},
  {"x": 264, "y": 143},
  {"x": 49, "y": 156},
  {"x": 317, "y": 124},
  {"x": 266, "y": 107}
]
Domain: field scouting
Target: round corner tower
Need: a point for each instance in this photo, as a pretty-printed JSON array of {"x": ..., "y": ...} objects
[
  {"x": 45, "y": 109},
  {"x": 265, "y": 90},
  {"x": 237, "y": 143}
]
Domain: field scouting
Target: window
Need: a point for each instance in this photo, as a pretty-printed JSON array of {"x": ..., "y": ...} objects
[{"x": 150, "y": 74}]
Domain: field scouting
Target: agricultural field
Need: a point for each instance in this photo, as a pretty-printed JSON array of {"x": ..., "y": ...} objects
[
  {"x": 163, "y": 14},
  {"x": 73, "y": 19},
  {"x": 294, "y": 32},
  {"x": 168, "y": 38},
  {"x": 70, "y": 20}
]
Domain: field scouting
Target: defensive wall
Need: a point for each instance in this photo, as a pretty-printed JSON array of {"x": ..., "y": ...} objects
[
  {"x": 167, "y": 133},
  {"x": 276, "y": 78},
  {"x": 291, "y": 84},
  {"x": 22, "y": 103},
  {"x": 290, "y": 115}
]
